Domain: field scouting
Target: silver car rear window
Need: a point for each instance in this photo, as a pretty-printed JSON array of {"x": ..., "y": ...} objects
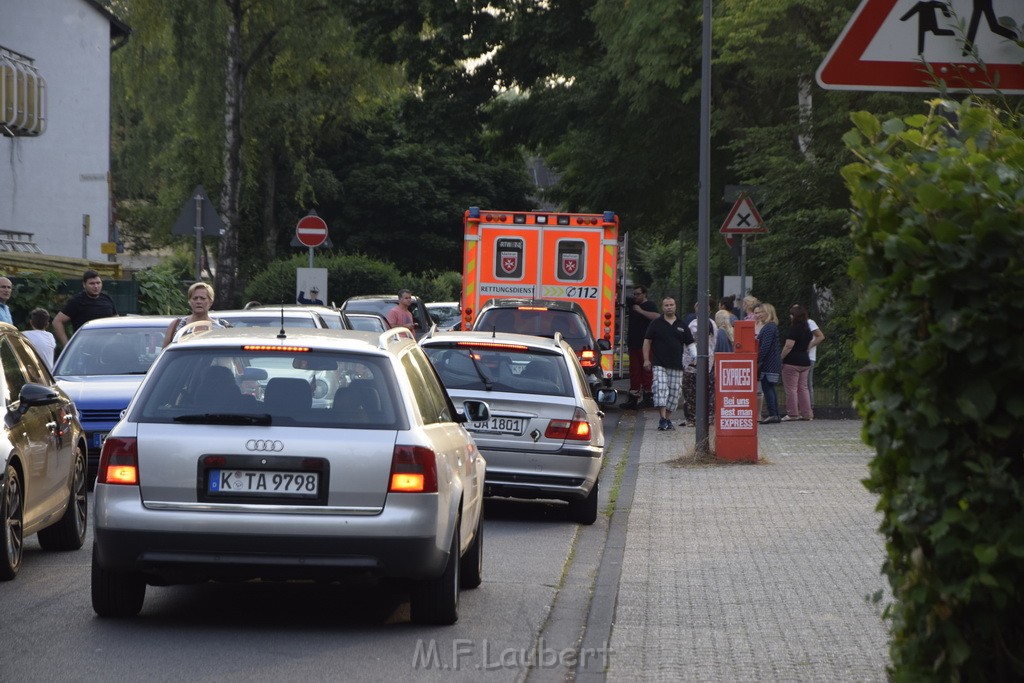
[
  {"x": 303, "y": 389},
  {"x": 497, "y": 368}
]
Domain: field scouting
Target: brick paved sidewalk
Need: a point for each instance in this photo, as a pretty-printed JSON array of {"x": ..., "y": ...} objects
[{"x": 752, "y": 572}]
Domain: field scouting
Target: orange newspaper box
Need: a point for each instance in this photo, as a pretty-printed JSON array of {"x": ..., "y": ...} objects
[{"x": 736, "y": 398}]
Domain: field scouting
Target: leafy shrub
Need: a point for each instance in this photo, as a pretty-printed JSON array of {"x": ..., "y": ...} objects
[
  {"x": 37, "y": 290},
  {"x": 939, "y": 231},
  {"x": 347, "y": 275},
  {"x": 161, "y": 292}
]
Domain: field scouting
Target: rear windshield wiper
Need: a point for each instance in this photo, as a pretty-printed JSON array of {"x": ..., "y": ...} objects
[
  {"x": 224, "y": 419},
  {"x": 476, "y": 366}
]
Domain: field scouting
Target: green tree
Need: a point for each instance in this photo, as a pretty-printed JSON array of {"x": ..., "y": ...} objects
[
  {"x": 939, "y": 234},
  {"x": 235, "y": 96}
]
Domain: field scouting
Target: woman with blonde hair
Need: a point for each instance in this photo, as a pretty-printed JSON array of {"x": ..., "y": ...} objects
[
  {"x": 769, "y": 359},
  {"x": 200, "y": 300},
  {"x": 749, "y": 304},
  {"x": 725, "y": 338}
]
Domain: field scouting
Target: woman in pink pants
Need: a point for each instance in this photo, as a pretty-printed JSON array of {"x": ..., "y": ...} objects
[{"x": 796, "y": 365}]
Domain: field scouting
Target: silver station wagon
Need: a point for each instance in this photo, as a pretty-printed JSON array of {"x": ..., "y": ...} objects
[
  {"x": 544, "y": 437},
  {"x": 226, "y": 466}
]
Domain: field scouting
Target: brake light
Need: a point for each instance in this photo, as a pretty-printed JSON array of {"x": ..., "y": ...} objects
[
  {"x": 283, "y": 349},
  {"x": 413, "y": 470},
  {"x": 588, "y": 358},
  {"x": 119, "y": 462},
  {"x": 530, "y": 308},
  {"x": 576, "y": 429}
]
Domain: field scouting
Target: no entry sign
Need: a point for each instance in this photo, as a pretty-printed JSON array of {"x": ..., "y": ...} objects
[{"x": 311, "y": 230}]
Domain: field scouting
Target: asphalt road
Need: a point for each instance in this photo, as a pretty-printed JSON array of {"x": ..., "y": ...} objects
[{"x": 524, "y": 622}]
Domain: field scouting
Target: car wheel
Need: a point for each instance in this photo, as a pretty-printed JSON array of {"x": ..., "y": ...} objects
[
  {"x": 584, "y": 510},
  {"x": 436, "y": 601},
  {"x": 116, "y": 594},
  {"x": 472, "y": 564},
  {"x": 11, "y": 512},
  {"x": 69, "y": 532}
]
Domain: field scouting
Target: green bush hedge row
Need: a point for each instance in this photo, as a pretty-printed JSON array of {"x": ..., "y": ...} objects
[{"x": 939, "y": 232}]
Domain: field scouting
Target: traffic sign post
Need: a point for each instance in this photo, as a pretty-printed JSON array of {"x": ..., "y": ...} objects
[
  {"x": 893, "y": 44},
  {"x": 742, "y": 220},
  {"x": 311, "y": 231},
  {"x": 199, "y": 218}
]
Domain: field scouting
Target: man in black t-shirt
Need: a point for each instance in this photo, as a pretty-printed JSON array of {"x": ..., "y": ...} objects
[
  {"x": 640, "y": 314},
  {"x": 664, "y": 342},
  {"x": 89, "y": 304}
]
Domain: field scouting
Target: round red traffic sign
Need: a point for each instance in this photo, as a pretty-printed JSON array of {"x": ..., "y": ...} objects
[{"x": 311, "y": 231}]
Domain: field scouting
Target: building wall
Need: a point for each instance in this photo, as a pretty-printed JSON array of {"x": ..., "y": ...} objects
[{"x": 47, "y": 183}]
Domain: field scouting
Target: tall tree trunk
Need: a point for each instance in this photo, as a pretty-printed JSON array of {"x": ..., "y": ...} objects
[
  {"x": 805, "y": 102},
  {"x": 269, "y": 216},
  {"x": 234, "y": 87}
]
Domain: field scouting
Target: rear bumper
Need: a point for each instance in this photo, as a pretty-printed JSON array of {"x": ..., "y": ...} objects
[
  {"x": 408, "y": 538},
  {"x": 567, "y": 474},
  {"x": 186, "y": 557}
]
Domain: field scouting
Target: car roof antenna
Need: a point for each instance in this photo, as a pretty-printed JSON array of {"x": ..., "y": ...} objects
[
  {"x": 281, "y": 334},
  {"x": 494, "y": 332}
]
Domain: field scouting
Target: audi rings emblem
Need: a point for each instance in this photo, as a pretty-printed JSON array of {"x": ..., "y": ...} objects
[{"x": 264, "y": 445}]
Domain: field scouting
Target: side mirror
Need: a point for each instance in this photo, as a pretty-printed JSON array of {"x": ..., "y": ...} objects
[
  {"x": 475, "y": 411},
  {"x": 604, "y": 345},
  {"x": 607, "y": 396},
  {"x": 32, "y": 395}
]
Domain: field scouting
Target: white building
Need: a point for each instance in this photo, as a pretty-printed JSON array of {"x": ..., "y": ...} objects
[{"x": 55, "y": 125}]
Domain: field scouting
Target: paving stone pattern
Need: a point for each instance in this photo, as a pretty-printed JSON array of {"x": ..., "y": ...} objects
[{"x": 752, "y": 572}]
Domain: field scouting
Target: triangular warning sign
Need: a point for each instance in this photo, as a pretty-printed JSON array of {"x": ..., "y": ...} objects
[
  {"x": 887, "y": 43},
  {"x": 743, "y": 219}
]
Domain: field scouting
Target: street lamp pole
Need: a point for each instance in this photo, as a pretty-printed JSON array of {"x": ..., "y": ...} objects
[{"x": 704, "y": 237}]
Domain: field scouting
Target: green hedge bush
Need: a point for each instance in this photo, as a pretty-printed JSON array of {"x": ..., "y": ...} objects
[
  {"x": 349, "y": 275},
  {"x": 939, "y": 232}
]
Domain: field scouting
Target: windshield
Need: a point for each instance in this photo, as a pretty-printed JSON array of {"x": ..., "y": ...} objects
[
  {"x": 111, "y": 351},
  {"x": 291, "y": 388},
  {"x": 541, "y": 323},
  {"x": 366, "y": 323},
  {"x": 500, "y": 368},
  {"x": 306, "y": 321}
]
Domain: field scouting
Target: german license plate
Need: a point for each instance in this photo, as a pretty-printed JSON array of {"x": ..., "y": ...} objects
[
  {"x": 500, "y": 425},
  {"x": 263, "y": 482},
  {"x": 97, "y": 439}
]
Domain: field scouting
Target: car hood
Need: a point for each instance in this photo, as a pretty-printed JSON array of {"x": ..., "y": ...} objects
[{"x": 114, "y": 391}]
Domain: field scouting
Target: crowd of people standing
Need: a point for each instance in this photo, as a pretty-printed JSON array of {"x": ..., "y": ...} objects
[{"x": 667, "y": 363}]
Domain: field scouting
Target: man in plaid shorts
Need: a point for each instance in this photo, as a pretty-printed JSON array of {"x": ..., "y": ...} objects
[{"x": 664, "y": 342}]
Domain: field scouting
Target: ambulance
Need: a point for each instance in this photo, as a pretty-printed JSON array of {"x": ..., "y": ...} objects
[{"x": 544, "y": 255}]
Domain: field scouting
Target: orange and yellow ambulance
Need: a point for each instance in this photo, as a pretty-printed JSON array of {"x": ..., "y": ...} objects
[{"x": 544, "y": 255}]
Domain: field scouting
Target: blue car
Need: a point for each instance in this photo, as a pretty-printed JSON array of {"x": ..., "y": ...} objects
[{"x": 102, "y": 366}]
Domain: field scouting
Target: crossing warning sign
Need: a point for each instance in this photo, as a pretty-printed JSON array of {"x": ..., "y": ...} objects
[
  {"x": 743, "y": 219},
  {"x": 906, "y": 45}
]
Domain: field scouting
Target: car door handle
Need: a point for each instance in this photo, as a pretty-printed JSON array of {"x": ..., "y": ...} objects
[{"x": 52, "y": 426}]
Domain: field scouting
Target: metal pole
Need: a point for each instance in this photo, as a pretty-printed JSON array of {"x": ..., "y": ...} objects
[
  {"x": 199, "y": 237},
  {"x": 311, "y": 257},
  {"x": 704, "y": 236},
  {"x": 743, "y": 268}
]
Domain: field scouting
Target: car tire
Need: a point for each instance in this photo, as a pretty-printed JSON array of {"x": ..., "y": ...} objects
[
  {"x": 116, "y": 594},
  {"x": 69, "y": 532},
  {"x": 584, "y": 510},
  {"x": 471, "y": 571},
  {"x": 12, "y": 510},
  {"x": 436, "y": 601}
]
